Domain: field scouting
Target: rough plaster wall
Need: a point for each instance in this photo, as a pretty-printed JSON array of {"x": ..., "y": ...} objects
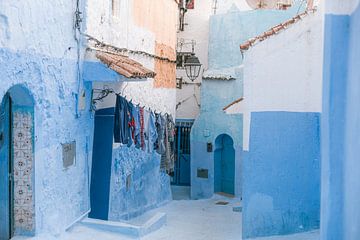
[
  {"x": 211, "y": 123},
  {"x": 351, "y": 167},
  {"x": 340, "y": 185},
  {"x": 197, "y": 29},
  {"x": 121, "y": 31},
  {"x": 234, "y": 28},
  {"x": 165, "y": 71},
  {"x": 39, "y": 51},
  {"x": 137, "y": 184},
  {"x": 281, "y": 172},
  {"x": 269, "y": 69},
  {"x": 225, "y": 37},
  {"x": 341, "y": 7},
  {"x": 159, "y": 17},
  {"x": 35, "y": 24}
]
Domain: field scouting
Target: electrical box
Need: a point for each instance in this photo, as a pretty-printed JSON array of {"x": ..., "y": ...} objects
[
  {"x": 69, "y": 154},
  {"x": 202, "y": 173}
]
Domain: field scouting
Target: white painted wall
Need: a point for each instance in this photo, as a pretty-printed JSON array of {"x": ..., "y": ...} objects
[
  {"x": 120, "y": 31},
  {"x": 197, "y": 28},
  {"x": 341, "y": 7},
  {"x": 20, "y": 20},
  {"x": 284, "y": 72}
]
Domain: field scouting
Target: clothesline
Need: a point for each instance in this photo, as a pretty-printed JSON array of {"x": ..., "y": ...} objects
[
  {"x": 144, "y": 129},
  {"x": 105, "y": 92}
]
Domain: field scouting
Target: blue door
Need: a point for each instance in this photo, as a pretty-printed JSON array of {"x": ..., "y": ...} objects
[
  {"x": 182, "y": 153},
  {"x": 5, "y": 170},
  {"x": 224, "y": 165},
  {"x": 228, "y": 166}
]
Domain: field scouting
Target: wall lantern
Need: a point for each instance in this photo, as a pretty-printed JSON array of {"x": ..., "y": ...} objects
[{"x": 192, "y": 67}]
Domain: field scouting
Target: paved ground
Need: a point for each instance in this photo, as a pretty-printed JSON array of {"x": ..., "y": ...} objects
[{"x": 186, "y": 220}]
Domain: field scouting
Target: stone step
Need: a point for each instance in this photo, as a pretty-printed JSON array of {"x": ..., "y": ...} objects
[{"x": 136, "y": 229}]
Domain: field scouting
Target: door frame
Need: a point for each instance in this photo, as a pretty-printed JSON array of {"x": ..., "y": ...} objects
[{"x": 7, "y": 186}]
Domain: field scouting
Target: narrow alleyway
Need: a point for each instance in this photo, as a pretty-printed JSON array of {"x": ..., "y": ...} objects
[{"x": 189, "y": 219}]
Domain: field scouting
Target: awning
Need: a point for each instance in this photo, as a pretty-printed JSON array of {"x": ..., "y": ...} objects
[{"x": 124, "y": 65}]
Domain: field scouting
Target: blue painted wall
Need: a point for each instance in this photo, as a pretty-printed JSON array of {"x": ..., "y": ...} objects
[
  {"x": 281, "y": 192},
  {"x": 227, "y": 32},
  {"x": 340, "y": 214},
  {"x": 137, "y": 183},
  {"x": 52, "y": 82},
  {"x": 126, "y": 181}
]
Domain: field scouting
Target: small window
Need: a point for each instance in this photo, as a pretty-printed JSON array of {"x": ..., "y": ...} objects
[{"x": 115, "y": 8}]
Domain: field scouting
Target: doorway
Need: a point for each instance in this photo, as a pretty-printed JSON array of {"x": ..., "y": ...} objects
[
  {"x": 17, "y": 208},
  {"x": 224, "y": 165}
]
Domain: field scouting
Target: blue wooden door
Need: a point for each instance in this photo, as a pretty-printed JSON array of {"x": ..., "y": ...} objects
[
  {"x": 182, "y": 153},
  {"x": 5, "y": 225},
  {"x": 228, "y": 166}
]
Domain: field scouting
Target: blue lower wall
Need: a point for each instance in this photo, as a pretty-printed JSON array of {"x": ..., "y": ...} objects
[
  {"x": 61, "y": 195},
  {"x": 137, "y": 184},
  {"x": 281, "y": 191},
  {"x": 340, "y": 213}
]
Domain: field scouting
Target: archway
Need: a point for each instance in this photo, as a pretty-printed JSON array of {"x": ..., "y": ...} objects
[
  {"x": 224, "y": 165},
  {"x": 17, "y": 207}
]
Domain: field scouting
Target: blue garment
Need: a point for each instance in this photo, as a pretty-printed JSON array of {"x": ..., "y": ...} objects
[
  {"x": 121, "y": 122},
  {"x": 160, "y": 128},
  {"x": 152, "y": 133},
  {"x": 136, "y": 117}
]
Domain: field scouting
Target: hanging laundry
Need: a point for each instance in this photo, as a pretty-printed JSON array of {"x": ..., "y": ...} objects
[
  {"x": 136, "y": 127},
  {"x": 152, "y": 133},
  {"x": 160, "y": 129},
  {"x": 170, "y": 147},
  {"x": 142, "y": 130},
  {"x": 121, "y": 122},
  {"x": 146, "y": 130}
]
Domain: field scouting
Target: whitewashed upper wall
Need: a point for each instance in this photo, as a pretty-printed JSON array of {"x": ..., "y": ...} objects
[
  {"x": 120, "y": 30},
  {"x": 33, "y": 25},
  {"x": 197, "y": 28},
  {"x": 341, "y": 7},
  {"x": 284, "y": 72}
]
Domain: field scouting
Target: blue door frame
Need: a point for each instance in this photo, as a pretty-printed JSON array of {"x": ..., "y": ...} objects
[
  {"x": 182, "y": 153},
  {"x": 6, "y": 190}
]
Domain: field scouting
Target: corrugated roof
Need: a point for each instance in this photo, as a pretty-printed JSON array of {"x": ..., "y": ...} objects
[
  {"x": 124, "y": 65},
  {"x": 274, "y": 30}
]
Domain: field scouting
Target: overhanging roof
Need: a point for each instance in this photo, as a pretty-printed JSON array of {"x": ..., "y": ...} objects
[{"x": 124, "y": 65}]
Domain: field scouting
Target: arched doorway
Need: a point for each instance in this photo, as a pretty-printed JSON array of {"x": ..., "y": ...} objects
[
  {"x": 17, "y": 208},
  {"x": 224, "y": 165}
]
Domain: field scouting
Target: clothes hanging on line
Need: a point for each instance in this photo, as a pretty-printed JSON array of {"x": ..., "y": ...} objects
[{"x": 145, "y": 129}]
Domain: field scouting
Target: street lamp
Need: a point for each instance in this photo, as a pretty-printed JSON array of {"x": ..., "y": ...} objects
[{"x": 192, "y": 67}]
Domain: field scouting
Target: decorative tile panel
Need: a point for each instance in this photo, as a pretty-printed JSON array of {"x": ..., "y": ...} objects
[{"x": 24, "y": 211}]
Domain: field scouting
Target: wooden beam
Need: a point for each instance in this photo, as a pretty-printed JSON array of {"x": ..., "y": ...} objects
[{"x": 233, "y": 103}]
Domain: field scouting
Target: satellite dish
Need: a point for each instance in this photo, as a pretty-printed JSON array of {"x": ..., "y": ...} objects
[{"x": 263, "y": 4}]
